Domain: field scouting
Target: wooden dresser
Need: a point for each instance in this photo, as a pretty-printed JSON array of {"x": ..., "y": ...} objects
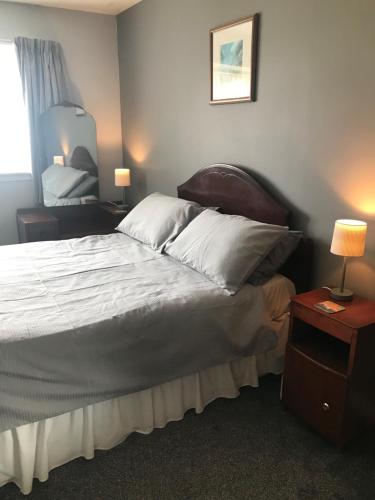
[
  {"x": 329, "y": 375},
  {"x": 56, "y": 223}
]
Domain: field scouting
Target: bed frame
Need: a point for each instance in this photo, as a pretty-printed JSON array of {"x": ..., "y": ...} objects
[{"x": 236, "y": 192}]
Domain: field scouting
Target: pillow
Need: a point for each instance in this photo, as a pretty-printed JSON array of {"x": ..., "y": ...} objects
[
  {"x": 158, "y": 219},
  {"x": 276, "y": 258},
  {"x": 225, "y": 248},
  {"x": 83, "y": 187},
  {"x": 60, "y": 180}
]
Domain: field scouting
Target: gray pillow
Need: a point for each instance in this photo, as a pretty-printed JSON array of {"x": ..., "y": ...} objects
[
  {"x": 60, "y": 180},
  {"x": 276, "y": 258},
  {"x": 84, "y": 187},
  {"x": 158, "y": 219},
  {"x": 225, "y": 248}
]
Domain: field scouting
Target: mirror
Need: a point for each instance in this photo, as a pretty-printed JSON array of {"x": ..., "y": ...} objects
[{"x": 69, "y": 156}]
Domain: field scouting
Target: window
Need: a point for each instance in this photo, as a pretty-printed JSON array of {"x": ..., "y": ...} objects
[{"x": 15, "y": 154}]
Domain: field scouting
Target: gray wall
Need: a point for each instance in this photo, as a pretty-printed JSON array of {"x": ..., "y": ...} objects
[
  {"x": 89, "y": 42},
  {"x": 310, "y": 135}
]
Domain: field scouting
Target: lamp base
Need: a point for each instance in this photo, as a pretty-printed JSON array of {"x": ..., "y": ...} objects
[{"x": 338, "y": 294}]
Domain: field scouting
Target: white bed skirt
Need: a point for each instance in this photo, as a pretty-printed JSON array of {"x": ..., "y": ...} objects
[{"x": 32, "y": 450}]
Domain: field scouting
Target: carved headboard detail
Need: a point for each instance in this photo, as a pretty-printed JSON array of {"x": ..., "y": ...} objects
[{"x": 235, "y": 192}]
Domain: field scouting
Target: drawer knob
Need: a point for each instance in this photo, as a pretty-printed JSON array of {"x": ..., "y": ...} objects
[{"x": 326, "y": 407}]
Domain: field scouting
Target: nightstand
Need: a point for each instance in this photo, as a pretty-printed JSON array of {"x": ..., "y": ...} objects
[
  {"x": 60, "y": 223},
  {"x": 37, "y": 225},
  {"x": 329, "y": 374},
  {"x": 114, "y": 209}
]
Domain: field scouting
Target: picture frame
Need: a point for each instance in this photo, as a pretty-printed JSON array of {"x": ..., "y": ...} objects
[{"x": 234, "y": 57}]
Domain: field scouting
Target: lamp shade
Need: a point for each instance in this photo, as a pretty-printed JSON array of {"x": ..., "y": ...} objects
[
  {"x": 58, "y": 160},
  {"x": 122, "y": 177},
  {"x": 349, "y": 237}
]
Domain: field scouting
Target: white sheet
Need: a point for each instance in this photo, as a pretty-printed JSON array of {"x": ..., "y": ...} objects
[
  {"x": 33, "y": 450},
  {"x": 277, "y": 292}
]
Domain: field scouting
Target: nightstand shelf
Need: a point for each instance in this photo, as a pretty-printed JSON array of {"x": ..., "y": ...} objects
[
  {"x": 329, "y": 371},
  {"x": 321, "y": 347}
]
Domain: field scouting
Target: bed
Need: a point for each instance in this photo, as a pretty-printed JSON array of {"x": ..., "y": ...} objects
[{"x": 74, "y": 415}]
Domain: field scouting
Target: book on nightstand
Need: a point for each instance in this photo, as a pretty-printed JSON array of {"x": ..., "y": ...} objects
[{"x": 329, "y": 307}]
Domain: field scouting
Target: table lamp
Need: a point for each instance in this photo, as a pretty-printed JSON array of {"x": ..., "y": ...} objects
[
  {"x": 122, "y": 179},
  {"x": 58, "y": 160},
  {"x": 349, "y": 237}
]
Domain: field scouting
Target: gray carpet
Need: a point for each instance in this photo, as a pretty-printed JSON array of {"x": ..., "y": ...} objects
[{"x": 247, "y": 448}]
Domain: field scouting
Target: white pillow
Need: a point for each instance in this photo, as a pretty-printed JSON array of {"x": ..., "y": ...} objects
[
  {"x": 225, "y": 248},
  {"x": 158, "y": 219}
]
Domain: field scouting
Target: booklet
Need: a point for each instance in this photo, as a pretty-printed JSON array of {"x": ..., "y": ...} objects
[{"x": 329, "y": 307}]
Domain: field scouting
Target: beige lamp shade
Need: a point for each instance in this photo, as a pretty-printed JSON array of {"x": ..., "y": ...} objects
[
  {"x": 58, "y": 160},
  {"x": 349, "y": 237},
  {"x": 122, "y": 177}
]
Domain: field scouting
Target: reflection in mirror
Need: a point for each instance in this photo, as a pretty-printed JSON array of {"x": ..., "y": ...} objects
[{"x": 70, "y": 172}]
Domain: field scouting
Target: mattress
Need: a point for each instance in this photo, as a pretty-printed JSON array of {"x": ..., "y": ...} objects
[{"x": 33, "y": 450}]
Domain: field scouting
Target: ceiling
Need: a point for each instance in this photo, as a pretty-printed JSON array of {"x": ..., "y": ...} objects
[{"x": 100, "y": 6}]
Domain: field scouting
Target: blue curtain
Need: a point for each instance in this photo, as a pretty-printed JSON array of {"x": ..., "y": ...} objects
[{"x": 45, "y": 83}]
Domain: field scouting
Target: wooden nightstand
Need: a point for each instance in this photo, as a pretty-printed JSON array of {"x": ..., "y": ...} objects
[
  {"x": 60, "y": 223},
  {"x": 37, "y": 225},
  {"x": 329, "y": 374},
  {"x": 114, "y": 210}
]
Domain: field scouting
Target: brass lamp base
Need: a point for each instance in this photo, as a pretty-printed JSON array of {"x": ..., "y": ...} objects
[{"x": 341, "y": 294}]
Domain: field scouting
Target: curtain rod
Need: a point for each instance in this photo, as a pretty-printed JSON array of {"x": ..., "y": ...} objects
[{"x": 6, "y": 40}]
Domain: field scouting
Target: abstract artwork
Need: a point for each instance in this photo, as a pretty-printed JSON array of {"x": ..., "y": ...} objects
[
  {"x": 231, "y": 53},
  {"x": 233, "y": 61}
]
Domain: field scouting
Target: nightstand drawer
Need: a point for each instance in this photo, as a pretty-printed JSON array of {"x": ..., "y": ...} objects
[
  {"x": 324, "y": 322},
  {"x": 315, "y": 393}
]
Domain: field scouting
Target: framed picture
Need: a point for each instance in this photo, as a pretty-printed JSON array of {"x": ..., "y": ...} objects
[{"x": 234, "y": 50}]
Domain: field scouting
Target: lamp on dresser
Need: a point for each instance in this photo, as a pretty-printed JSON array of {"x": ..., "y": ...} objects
[
  {"x": 122, "y": 179},
  {"x": 59, "y": 160},
  {"x": 349, "y": 238}
]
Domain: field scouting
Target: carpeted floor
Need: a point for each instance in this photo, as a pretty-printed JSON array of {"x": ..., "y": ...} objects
[{"x": 247, "y": 448}]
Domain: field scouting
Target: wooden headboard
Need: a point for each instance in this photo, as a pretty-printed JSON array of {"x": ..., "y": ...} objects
[{"x": 236, "y": 192}]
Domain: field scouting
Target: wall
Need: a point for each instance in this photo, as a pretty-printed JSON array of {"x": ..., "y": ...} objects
[
  {"x": 89, "y": 42},
  {"x": 310, "y": 135}
]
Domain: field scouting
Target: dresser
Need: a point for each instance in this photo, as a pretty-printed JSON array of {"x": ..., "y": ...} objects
[{"x": 56, "y": 223}]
